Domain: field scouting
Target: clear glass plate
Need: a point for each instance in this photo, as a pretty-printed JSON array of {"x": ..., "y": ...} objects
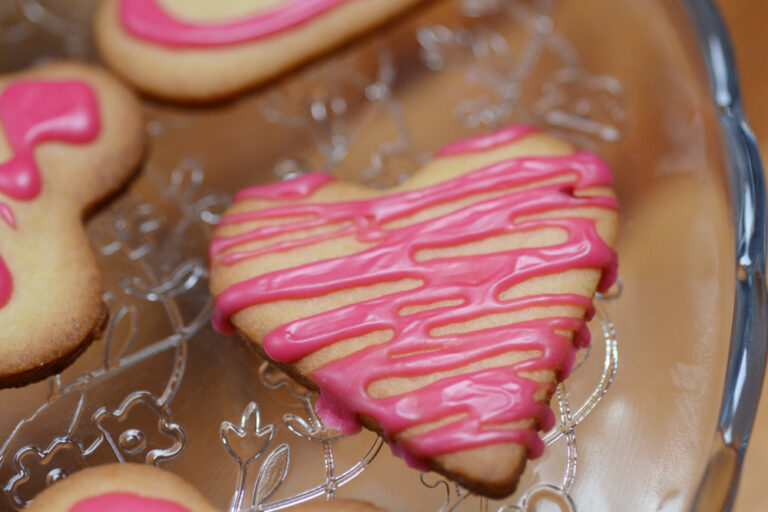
[{"x": 625, "y": 79}]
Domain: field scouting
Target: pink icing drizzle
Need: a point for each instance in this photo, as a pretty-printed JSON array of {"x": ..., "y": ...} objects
[
  {"x": 125, "y": 502},
  {"x": 488, "y": 141},
  {"x": 297, "y": 188},
  {"x": 7, "y": 215},
  {"x": 487, "y": 397},
  {"x": 147, "y": 20},
  {"x": 6, "y": 283},
  {"x": 32, "y": 112}
]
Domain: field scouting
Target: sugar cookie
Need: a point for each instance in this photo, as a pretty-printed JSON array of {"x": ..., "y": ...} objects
[
  {"x": 72, "y": 136},
  {"x": 139, "y": 487},
  {"x": 185, "y": 50},
  {"x": 121, "y": 488},
  {"x": 337, "y": 506},
  {"x": 440, "y": 313}
]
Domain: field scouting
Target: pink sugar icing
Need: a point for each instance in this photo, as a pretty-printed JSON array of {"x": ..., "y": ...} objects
[
  {"x": 125, "y": 502},
  {"x": 33, "y": 112},
  {"x": 147, "y": 20},
  {"x": 296, "y": 188},
  {"x": 6, "y": 283},
  {"x": 488, "y": 141},
  {"x": 7, "y": 215},
  {"x": 486, "y": 398}
]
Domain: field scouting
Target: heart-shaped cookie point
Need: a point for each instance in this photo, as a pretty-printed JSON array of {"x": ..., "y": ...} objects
[
  {"x": 440, "y": 313},
  {"x": 72, "y": 135}
]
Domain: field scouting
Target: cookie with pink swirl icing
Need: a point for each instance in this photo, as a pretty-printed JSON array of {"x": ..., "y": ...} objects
[
  {"x": 139, "y": 487},
  {"x": 198, "y": 50},
  {"x": 440, "y": 313},
  {"x": 71, "y": 136}
]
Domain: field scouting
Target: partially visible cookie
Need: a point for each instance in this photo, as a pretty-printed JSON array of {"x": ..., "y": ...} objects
[
  {"x": 338, "y": 506},
  {"x": 198, "y": 50},
  {"x": 143, "y": 488},
  {"x": 70, "y": 135},
  {"x": 440, "y": 313},
  {"x": 121, "y": 488}
]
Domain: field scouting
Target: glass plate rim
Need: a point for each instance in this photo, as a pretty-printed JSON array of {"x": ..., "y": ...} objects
[{"x": 749, "y": 331}]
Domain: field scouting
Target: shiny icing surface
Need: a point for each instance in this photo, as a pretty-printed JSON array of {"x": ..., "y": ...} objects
[
  {"x": 6, "y": 283},
  {"x": 125, "y": 502},
  {"x": 488, "y": 141},
  {"x": 7, "y": 215},
  {"x": 481, "y": 399},
  {"x": 33, "y": 112},
  {"x": 295, "y": 189},
  {"x": 147, "y": 20}
]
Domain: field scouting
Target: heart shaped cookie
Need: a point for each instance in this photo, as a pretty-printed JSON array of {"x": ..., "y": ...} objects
[
  {"x": 198, "y": 50},
  {"x": 440, "y": 313},
  {"x": 71, "y": 136}
]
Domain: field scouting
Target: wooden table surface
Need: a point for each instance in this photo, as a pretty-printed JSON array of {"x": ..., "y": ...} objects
[{"x": 746, "y": 21}]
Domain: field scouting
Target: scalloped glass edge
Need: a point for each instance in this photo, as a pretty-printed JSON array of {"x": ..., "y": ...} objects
[{"x": 749, "y": 331}]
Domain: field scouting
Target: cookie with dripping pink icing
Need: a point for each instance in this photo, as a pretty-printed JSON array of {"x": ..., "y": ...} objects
[
  {"x": 440, "y": 313},
  {"x": 72, "y": 135},
  {"x": 198, "y": 50}
]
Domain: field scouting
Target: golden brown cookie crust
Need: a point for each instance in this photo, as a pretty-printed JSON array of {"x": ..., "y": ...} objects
[
  {"x": 56, "y": 307},
  {"x": 338, "y": 506}
]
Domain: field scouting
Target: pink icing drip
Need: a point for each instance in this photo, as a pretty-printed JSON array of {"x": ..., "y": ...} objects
[
  {"x": 7, "y": 215},
  {"x": 125, "y": 502},
  {"x": 486, "y": 398},
  {"x": 147, "y": 20},
  {"x": 6, "y": 284},
  {"x": 297, "y": 188},
  {"x": 489, "y": 141},
  {"x": 32, "y": 112}
]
